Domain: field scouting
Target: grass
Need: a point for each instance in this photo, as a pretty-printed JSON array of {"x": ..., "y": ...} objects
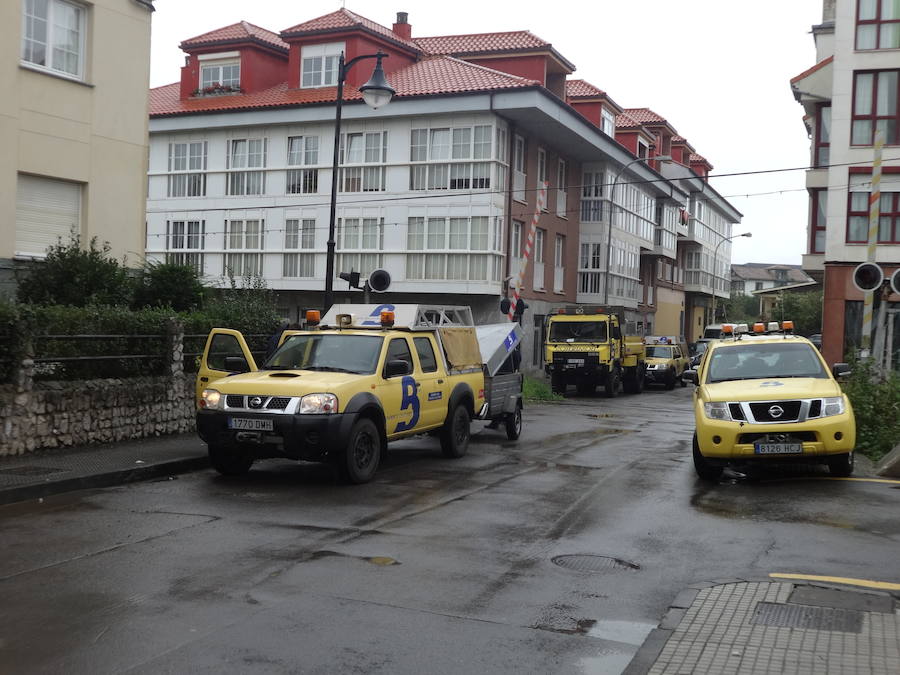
[{"x": 536, "y": 389}]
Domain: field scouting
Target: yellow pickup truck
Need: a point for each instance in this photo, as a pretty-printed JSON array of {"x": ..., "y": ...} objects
[{"x": 340, "y": 391}]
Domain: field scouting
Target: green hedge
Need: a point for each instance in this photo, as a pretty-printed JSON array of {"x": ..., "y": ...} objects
[{"x": 876, "y": 405}]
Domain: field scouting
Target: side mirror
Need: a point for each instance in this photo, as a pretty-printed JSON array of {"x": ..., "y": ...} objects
[
  {"x": 236, "y": 364},
  {"x": 617, "y": 333},
  {"x": 395, "y": 368},
  {"x": 840, "y": 370},
  {"x": 691, "y": 376}
]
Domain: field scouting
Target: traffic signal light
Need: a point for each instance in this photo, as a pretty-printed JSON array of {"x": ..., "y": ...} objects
[
  {"x": 520, "y": 307},
  {"x": 505, "y": 304}
]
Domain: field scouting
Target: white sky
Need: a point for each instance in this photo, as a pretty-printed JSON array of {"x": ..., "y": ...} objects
[{"x": 717, "y": 70}]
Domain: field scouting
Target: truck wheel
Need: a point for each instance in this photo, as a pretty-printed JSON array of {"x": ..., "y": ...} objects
[
  {"x": 359, "y": 460},
  {"x": 703, "y": 468},
  {"x": 229, "y": 461},
  {"x": 611, "y": 384},
  {"x": 670, "y": 381},
  {"x": 681, "y": 380},
  {"x": 514, "y": 425},
  {"x": 557, "y": 384},
  {"x": 455, "y": 436},
  {"x": 841, "y": 465}
]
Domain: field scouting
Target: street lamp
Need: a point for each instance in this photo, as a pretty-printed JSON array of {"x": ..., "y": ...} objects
[
  {"x": 715, "y": 256},
  {"x": 376, "y": 93},
  {"x": 612, "y": 210}
]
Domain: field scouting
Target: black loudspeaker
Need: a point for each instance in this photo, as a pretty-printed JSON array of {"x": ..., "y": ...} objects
[
  {"x": 351, "y": 278},
  {"x": 505, "y": 304},
  {"x": 379, "y": 280},
  {"x": 895, "y": 281},
  {"x": 868, "y": 277}
]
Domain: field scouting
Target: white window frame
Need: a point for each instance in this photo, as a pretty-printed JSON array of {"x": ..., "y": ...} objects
[
  {"x": 515, "y": 239},
  {"x": 185, "y": 243},
  {"x": 53, "y": 7},
  {"x": 519, "y": 166},
  {"x": 246, "y": 169},
  {"x": 608, "y": 122},
  {"x": 298, "y": 259},
  {"x": 247, "y": 256},
  {"x": 327, "y": 74},
  {"x": 366, "y": 173},
  {"x": 562, "y": 188},
  {"x": 559, "y": 259},
  {"x": 305, "y": 179},
  {"x": 191, "y": 178}
]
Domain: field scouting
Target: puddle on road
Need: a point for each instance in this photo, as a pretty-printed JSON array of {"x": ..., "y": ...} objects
[
  {"x": 629, "y": 632},
  {"x": 606, "y": 662}
]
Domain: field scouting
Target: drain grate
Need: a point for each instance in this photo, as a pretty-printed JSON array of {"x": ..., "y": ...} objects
[
  {"x": 31, "y": 471},
  {"x": 593, "y": 563},
  {"x": 805, "y": 616}
]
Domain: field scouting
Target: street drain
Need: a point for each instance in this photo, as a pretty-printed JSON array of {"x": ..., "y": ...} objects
[
  {"x": 593, "y": 563},
  {"x": 805, "y": 616},
  {"x": 31, "y": 471}
]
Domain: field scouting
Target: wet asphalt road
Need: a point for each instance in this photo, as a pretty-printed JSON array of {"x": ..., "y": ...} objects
[{"x": 438, "y": 566}]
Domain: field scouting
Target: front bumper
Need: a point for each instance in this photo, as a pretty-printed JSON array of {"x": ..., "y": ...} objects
[
  {"x": 661, "y": 375},
  {"x": 308, "y": 437},
  {"x": 736, "y": 441}
]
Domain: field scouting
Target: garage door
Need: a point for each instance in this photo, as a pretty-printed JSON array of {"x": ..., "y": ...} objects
[{"x": 46, "y": 210}]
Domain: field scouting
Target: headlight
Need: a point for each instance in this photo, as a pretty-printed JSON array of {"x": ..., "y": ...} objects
[
  {"x": 717, "y": 411},
  {"x": 210, "y": 399},
  {"x": 318, "y": 404},
  {"x": 833, "y": 406}
]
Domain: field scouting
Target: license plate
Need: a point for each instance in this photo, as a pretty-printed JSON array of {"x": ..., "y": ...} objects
[
  {"x": 575, "y": 362},
  {"x": 779, "y": 448},
  {"x": 246, "y": 424}
]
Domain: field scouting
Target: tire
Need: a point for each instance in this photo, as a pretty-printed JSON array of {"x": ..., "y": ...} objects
[
  {"x": 456, "y": 433},
  {"x": 611, "y": 384},
  {"x": 229, "y": 461},
  {"x": 514, "y": 425},
  {"x": 681, "y": 380},
  {"x": 841, "y": 465},
  {"x": 359, "y": 460},
  {"x": 703, "y": 468},
  {"x": 557, "y": 385},
  {"x": 670, "y": 381}
]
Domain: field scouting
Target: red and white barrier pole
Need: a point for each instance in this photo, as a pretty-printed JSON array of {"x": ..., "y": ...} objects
[{"x": 529, "y": 244}]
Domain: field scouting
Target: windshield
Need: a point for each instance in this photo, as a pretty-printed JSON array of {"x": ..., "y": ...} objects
[
  {"x": 761, "y": 361},
  {"x": 329, "y": 351},
  {"x": 659, "y": 352},
  {"x": 700, "y": 347},
  {"x": 578, "y": 331}
]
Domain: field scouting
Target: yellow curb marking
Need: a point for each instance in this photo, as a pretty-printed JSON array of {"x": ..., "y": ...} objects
[{"x": 865, "y": 583}]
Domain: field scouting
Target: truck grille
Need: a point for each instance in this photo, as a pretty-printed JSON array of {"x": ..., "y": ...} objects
[
  {"x": 278, "y": 402},
  {"x": 234, "y": 401},
  {"x": 776, "y": 411},
  {"x": 794, "y": 436}
]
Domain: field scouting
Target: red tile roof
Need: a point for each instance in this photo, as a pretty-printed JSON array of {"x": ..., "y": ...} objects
[
  {"x": 489, "y": 43},
  {"x": 626, "y": 121},
  {"x": 432, "y": 76},
  {"x": 238, "y": 32},
  {"x": 344, "y": 19},
  {"x": 810, "y": 71},
  {"x": 700, "y": 159},
  {"x": 645, "y": 116},
  {"x": 582, "y": 89}
]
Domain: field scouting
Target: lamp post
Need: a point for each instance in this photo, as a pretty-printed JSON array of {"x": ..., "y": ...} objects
[
  {"x": 376, "y": 93},
  {"x": 715, "y": 257},
  {"x": 612, "y": 210}
]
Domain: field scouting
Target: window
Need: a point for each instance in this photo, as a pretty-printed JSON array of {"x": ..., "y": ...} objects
[
  {"x": 187, "y": 167},
  {"x": 562, "y": 187},
  {"x": 426, "y": 354},
  {"x": 875, "y": 106},
  {"x": 540, "y": 237},
  {"x": 246, "y": 159},
  {"x": 185, "y": 241},
  {"x": 303, "y": 151},
  {"x": 759, "y": 285},
  {"x": 823, "y": 136},
  {"x": 888, "y": 222},
  {"x": 471, "y": 255},
  {"x": 363, "y": 150},
  {"x": 519, "y": 169},
  {"x": 541, "y": 167},
  {"x": 441, "y": 158},
  {"x": 53, "y": 36},
  {"x": 47, "y": 210},
  {"x": 360, "y": 241},
  {"x": 224, "y": 74},
  {"x": 398, "y": 350},
  {"x": 299, "y": 234},
  {"x": 608, "y": 122},
  {"x": 319, "y": 65},
  {"x": 878, "y": 24},
  {"x": 559, "y": 259},
  {"x": 591, "y": 197},
  {"x": 817, "y": 226},
  {"x": 243, "y": 236},
  {"x": 643, "y": 149},
  {"x": 515, "y": 239}
]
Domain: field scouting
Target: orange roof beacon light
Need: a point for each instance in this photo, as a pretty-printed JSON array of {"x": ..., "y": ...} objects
[
  {"x": 387, "y": 318},
  {"x": 787, "y": 326},
  {"x": 759, "y": 328},
  {"x": 313, "y": 317},
  {"x": 728, "y": 329}
]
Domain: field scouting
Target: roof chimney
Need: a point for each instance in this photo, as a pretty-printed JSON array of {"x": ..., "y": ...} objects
[{"x": 402, "y": 27}]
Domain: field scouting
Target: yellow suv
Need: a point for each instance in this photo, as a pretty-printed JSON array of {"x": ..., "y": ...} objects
[{"x": 769, "y": 397}]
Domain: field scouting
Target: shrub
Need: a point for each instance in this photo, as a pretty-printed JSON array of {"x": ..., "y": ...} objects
[
  {"x": 876, "y": 404},
  {"x": 538, "y": 390},
  {"x": 167, "y": 285},
  {"x": 76, "y": 276}
]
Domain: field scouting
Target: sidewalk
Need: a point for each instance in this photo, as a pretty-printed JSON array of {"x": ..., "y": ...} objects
[
  {"x": 800, "y": 628},
  {"x": 31, "y": 476}
]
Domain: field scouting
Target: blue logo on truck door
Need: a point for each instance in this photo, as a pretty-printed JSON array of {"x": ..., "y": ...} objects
[{"x": 410, "y": 400}]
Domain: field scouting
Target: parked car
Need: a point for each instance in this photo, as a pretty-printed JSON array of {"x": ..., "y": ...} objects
[{"x": 816, "y": 339}]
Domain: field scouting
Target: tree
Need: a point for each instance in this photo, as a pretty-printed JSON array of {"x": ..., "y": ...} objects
[
  {"x": 804, "y": 309},
  {"x": 168, "y": 285},
  {"x": 740, "y": 308},
  {"x": 76, "y": 276}
]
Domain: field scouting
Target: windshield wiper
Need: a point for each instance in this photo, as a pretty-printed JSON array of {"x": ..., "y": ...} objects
[
  {"x": 330, "y": 369},
  {"x": 274, "y": 367}
]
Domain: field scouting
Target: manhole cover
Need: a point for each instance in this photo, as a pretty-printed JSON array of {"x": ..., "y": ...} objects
[
  {"x": 30, "y": 471},
  {"x": 805, "y": 616},
  {"x": 593, "y": 563}
]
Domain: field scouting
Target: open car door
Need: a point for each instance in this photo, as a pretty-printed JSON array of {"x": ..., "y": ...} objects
[{"x": 226, "y": 353}]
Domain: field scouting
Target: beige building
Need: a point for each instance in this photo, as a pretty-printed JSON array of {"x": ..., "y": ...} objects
[{"x": 73, "y": 126}]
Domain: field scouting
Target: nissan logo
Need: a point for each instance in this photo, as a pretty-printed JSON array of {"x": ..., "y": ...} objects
[
  {"x": 776, "y": 411},
  {"x": 256, "y": 402}
]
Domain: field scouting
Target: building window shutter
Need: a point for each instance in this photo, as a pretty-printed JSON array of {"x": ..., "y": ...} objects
[{"x": 46, "y": 210}]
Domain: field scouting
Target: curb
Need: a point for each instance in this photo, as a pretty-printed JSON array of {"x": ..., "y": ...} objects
[{"x": 101, "y": 480}]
